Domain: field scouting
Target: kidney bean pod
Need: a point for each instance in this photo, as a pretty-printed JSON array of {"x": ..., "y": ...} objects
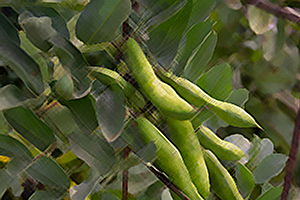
[
  {"x": 169, "y": 159},
  {"x": 159, "y": 93}
]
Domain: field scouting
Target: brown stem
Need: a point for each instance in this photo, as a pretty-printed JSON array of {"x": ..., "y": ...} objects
[
  {"x": 126, "y": 152},
  {"x": 291, "y": 163},
  {"x": 165, "y": 180},
  {"x": 274, "y": 10}
]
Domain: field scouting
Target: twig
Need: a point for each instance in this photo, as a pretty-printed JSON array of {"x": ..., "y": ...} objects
[
  {"x": 274, "y": 10},
  {"x": 165, "y": 180},
  {"x": 291, "y": 163},
  {"x": 126, "y": 152}
]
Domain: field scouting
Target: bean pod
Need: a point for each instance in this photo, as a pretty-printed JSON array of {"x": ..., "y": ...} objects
[
  {"x": 108, "y": 77},
  {"x": 159, "y": 93},
  {"x": 229, "y": 113},
  {"x": 222, "y": 149},
  {"x": 185, "y": 139},
  {"x": 169, "y": 159},
  {"x": 221, "y": 181}
]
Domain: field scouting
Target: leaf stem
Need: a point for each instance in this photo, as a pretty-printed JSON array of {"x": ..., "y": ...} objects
[{"x": 291, "y": 163}]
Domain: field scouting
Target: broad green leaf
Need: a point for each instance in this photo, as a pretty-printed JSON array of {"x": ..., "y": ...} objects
[
  {"x": 260, "y": 21},
  {"x": 162, "y": 11},
  {"x": 82, "y": 190},
  {"x": 253, "y": 152},
  {"x": 4, "y": 185},
  {"x": 41, "y": 194},
  {"x": 95, "y": 151},
  {"x": 10, "y": 96},
  {"x": 8, "y": 31},
  {"x": 23, "y": 65},
  {"x": 83, "y": 110},
  {"x": 263, "y": 172},
  {"x": 238, "y": 97},
  {"x": 38, "y": 29},
  {"x": 60, "y": 119},
  {"x": 165, "y": 38},
  {"x": 217, "y": 82},
  {"x": 244, "y": 179},
  {"x": 196, "y": 63},
  {"x": 111, "y": 194},
  {"x": 101, "y": 20},
  {"x": 154, "y": 191},
  {"x": 73, "y": 61},
  {"x": 201, "y": 10},
  {"x": 48, "y": 172},
  {"x": 273, "y": 193},
  {"x": 43, "y": 62},
  {"x": 195, "y": 36},
  {"x": 11, "y": 147},
  {"x": 58, "y": 22},
  {"x": 110, "y": 111},
  {"x": 27, "y": 124}
]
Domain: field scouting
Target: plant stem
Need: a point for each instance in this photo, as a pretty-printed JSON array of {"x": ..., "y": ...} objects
[
  {"x": 291, "y": 163},
  {"x": 274, "y": 10},
  {"x": 126, "y": 152}
]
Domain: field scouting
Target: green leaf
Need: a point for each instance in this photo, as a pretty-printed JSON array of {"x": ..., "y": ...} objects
[
  {"x": 60, "y": 119},
  {"x": 217, "y": 82},
  {"x": 8, "y": 31},
  {"x": 154, "y": 191},
  {"x": 244, "y": 179},
  {"x": 201, "y": 10},
  {"x": 101, "y": 20},
  {"x": 23, "y": 65},
  {"x": 58, "y": 22},
  {"x": 27, "y": 124},
  {"x": 195, "y": 36},
  {"x": 111, "y": 194},
  {"x": 161, "y": 11},
  {"x": 165, "y": 38},
  {"x": 82, "y": 190},
  {"x": 48, "y": 172},
  {"x": 38, "y": 29},
  {"x": 241, "y": 142},
  {"x": 4, "y": 185},
  {"x": 263, "y": 172},
  {"x": 196, "y": 63},
  {"x": 238, "y": 97},
  {"x": 95, "y": 151},
  {"x": 273, "y": 193},
  {"x": 43, "y": 62},
  {"x": 41, "y": 194},
  {"x": 11, "y": 147},
  {"x": 83, "y": 110},
  {"x": 10, "y": 96},
  {"x": 72, "y": 59},
  {"x": 110, "y": 111}
]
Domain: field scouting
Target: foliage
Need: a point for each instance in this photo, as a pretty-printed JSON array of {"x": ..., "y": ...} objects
[{"x": 66, "y": 124}]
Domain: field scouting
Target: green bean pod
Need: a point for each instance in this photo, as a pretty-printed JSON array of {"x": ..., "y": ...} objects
[
  {"x": 108, "y": 77},
  {"x": 169, "y": 159},
  {"x": 221, "y": 181},
  {"x": 185, "y": 139},
  {"x": 222, "y": 149},
  {"x": 159, "y": 93},
  {"x": 229, "y": 113}
]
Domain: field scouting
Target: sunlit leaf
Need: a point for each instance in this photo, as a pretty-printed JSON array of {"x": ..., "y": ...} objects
[
  {"x": 273, "y": 193},
  {"x": 244, "y": 179},
  {"x": 101, "y": 20}
]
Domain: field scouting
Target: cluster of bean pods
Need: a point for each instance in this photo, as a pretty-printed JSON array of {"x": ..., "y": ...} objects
[{"x": 191, "y": 160}]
